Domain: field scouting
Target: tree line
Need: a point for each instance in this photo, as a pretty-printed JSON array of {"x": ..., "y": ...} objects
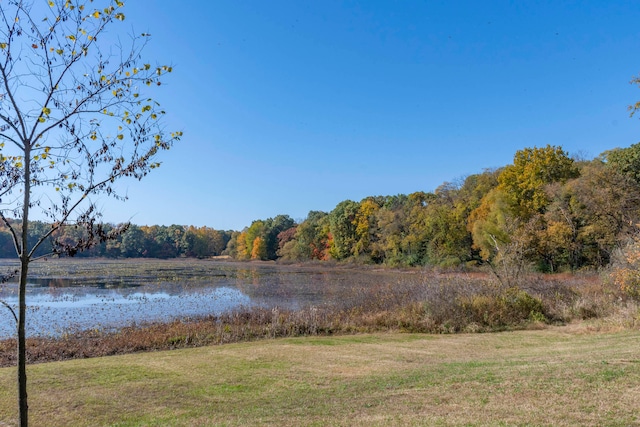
[
  {"x": 127, "y": 241},
  {"x": 545, "y": 209}
]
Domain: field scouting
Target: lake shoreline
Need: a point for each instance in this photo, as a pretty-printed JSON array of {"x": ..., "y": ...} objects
[{"x": 312, "y": 300}]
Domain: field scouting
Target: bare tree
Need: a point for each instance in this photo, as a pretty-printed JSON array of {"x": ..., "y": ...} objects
[{"x": 73, "y": 121}]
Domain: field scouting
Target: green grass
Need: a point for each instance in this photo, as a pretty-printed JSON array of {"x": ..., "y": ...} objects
[{"x": 550, "y": 377}]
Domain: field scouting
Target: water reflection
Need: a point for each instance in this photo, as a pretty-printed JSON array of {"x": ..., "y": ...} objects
[
  {"x": 67, "y": 283},
  {"x": 66, "y": 295},
  {"x": 53, "y": 313}
]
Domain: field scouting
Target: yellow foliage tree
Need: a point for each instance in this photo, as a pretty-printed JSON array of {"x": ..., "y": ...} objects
[{"x": 259, "y": 249}]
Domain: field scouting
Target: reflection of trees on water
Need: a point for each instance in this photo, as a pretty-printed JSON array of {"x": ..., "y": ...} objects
[
  {"x": 108, "y": 290},
  {"x": 309, "y": 286}
]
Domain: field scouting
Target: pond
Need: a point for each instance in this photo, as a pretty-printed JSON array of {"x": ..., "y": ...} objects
[{"x": 78, "y": 294}]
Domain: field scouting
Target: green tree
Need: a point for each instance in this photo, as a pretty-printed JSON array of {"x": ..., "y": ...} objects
[
  {"x": 134, "y": 242},
  {"x": 273, "y": 227},
  {"x": 624, "y": 160},
  {"x": 73, "y": 121}
]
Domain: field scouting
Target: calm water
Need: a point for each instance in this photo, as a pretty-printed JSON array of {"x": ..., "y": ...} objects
[{"x": 69, "y": 295}]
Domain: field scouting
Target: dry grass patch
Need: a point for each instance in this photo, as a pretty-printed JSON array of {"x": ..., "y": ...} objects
[{"x": 551, "y": 377}]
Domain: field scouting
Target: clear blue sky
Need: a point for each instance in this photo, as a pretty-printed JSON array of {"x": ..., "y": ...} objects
[{"x": 292, "y": 106}]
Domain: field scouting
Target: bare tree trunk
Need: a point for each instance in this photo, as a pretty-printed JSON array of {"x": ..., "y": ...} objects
[
  {"x": 25, "y": 258},
  {"x": 22, "y": 346}
]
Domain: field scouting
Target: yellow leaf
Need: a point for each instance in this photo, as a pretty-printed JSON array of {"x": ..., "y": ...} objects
[
  {"x": 71, "y": 37},
  {"x": 120, "y": 136},
  {"x": 41, "y": 120},
  {"x": 96, "y": 14},
  {"x": 3, "y": 45}
]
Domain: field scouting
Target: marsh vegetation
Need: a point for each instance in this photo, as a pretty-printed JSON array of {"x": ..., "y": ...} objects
[{"x": 87, "y": 308}]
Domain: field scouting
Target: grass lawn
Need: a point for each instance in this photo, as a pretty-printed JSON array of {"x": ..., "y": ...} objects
[{"x": 557, "y": 376}]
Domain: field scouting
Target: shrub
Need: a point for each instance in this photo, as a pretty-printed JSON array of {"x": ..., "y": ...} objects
[
  {"x": 625, "y": 270},
  {"x": 509, "y": 307}
]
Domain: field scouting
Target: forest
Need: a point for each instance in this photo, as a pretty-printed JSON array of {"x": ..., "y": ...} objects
[{"x": 546, "y": 210}]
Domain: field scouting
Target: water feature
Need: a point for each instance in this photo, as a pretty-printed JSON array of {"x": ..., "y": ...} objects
[{"x": 78, "y": 294}]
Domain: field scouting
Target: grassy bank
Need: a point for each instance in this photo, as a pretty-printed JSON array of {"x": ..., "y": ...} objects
[{"x": 558, "y": 376}]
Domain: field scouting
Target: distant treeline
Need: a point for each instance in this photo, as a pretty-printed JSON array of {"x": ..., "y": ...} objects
[
  {"x": 135, "y": 242},
  {"x": 545, "y": 209}
]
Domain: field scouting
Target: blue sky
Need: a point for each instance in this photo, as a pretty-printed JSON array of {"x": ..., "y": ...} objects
[{"x": 292, "y": 106}]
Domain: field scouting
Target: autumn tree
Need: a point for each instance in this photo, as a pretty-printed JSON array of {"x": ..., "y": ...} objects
[
  {"x": 312, "y": 239},
  {"x": 366, "y": 227},
  {"x": 448, "y": 239},
  {"x": 74, "y": 120},
  {"x": 415, "y": 241},
  {"x": 342, "y": 222},
  {"x": 204, "y": 241},
  {"x": 523, "y": 182},
  {"x": 391, "y": 228},
  {"x": 284, "y": 237}
]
